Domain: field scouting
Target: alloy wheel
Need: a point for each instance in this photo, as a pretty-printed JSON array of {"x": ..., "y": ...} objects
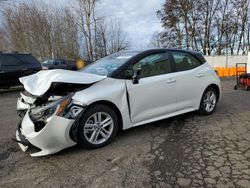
[
  {"x": 210, "y": 101},
  {"x": 98, "y": 128}
]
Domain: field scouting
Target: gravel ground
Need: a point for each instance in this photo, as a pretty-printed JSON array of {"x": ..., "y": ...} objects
[{"x": 185, "y": 151}]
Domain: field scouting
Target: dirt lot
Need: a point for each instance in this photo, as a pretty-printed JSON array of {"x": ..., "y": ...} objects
[{"x": 185, "y": 151}]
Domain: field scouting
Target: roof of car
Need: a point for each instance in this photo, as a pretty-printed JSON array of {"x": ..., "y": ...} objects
[
  {"x": 153, "y": 50},
  {"x": 10, "y": 53},
  {"x": 169, "y": 49},
  {"x": 184, "y": 50}
]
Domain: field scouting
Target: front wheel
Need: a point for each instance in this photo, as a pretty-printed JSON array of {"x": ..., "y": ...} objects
[
  {"x": 208, "y": 101},
  {"x": 97, "y": 127}
]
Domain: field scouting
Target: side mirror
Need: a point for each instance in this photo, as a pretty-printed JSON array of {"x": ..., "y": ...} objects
[{"x": 136, "y": 76}]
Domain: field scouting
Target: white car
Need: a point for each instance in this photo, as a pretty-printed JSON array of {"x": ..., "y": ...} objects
[{"x": 61, "y": 108}]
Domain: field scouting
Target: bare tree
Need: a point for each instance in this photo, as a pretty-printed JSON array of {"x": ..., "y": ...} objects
[
  {"x": 4, "y": 42},
  {"x": 166, "y": 39},
  {"x": 212, "y": 26},
  {"x": 243, "y": 7},
  {"x": 47, "y": 32},
  {"x": 118, "y": 39},
  {"x": 52, "y": 32},
  {"x": 102, "y": 36},
  {"x": 86, "y": 22}
]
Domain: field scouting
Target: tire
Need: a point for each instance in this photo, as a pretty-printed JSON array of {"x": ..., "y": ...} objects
[
  {"x": 93, "y": 134},
  {"x": 208, "y": 106}
]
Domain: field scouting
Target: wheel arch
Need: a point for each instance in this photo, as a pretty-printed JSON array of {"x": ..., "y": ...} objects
[
  {"x": 216, "y": 88},
  {"x": 113, "y": 107}
]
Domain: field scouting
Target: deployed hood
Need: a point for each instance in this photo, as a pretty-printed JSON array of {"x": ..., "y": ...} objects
[{"x": 37, "y": 84}]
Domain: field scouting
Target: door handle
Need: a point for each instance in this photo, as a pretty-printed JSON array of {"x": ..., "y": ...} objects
[
  {"x": 1, "y": 72},
  {"x": 24, "y": 69},
  {"x": 171, "y": 80},
  {"x": 200, "y": 75}
]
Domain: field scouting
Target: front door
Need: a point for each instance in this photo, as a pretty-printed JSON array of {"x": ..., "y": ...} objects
[{"x": 155, "y": 94}]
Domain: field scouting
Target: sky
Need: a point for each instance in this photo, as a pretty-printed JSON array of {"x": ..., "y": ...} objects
[{"x": 138, "y": 18}]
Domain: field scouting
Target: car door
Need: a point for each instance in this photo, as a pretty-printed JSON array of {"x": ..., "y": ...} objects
[
  {"x": 190, "y": 79},
  {"x": 11, "y": 70},
  {"x": 155, "y": 94}
]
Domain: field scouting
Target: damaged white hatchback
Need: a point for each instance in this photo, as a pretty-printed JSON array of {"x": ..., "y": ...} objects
[{"x": 60, "y": 108}]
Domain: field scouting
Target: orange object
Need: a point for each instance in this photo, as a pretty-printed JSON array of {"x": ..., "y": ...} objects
[
  {"x": 226, "y": 72},
  {"x": 231, "y": 71},
  {"x": 220, "y": 71}
]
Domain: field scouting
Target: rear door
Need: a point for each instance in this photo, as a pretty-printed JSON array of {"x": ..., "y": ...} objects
[
  {"x": 155, "y": 94},
  {"x": 190, "y": 79}
]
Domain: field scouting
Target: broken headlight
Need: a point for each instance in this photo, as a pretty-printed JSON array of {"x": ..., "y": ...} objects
[{"x": 45, "y": 112}]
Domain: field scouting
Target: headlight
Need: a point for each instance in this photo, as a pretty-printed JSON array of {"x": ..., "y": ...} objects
[{"x": 43, "y": 113}]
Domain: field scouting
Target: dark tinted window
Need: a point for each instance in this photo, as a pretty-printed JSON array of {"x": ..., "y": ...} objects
[
  {"x": 59, "y": 62},
  {"x": 185, "y": 61},
  {"x": 27, "y": 58},
  {"x": 153, "y": 65},
  {"x": 9, "y": 61}
]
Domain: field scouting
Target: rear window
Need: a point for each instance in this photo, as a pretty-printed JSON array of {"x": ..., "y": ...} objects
[{"x": 27, "y": 58}]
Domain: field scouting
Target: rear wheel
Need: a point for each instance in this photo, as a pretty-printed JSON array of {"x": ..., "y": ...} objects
[
  {"x": 98, "y": 126},
  {"x": 208, "y": 101}
]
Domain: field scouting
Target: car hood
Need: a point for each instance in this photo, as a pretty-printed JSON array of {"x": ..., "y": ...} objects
[{"x": 37, "y": 84}]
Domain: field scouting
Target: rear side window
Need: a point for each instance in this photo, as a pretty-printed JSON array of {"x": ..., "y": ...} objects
[
  {"x": 9, "y": 61},
  {"x": 27, "y": 58},
  {"x": 185, "y": 61},
  {"x": 59, "y": 62},
  {"x": 153, "y": 65},
  {"x": 200, "y": 58}
]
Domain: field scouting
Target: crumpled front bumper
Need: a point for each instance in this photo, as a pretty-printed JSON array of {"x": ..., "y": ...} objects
[{"x": 52, "y": 138}]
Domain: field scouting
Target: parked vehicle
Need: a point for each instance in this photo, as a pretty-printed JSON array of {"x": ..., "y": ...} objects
[
  {"x": 61, "y": 108},
  {"x": 16, "y": 65},
  {"x": 59, "y": 64}
]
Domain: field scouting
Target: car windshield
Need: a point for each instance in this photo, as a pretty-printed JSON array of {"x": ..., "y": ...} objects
[{"x": 107, "y": 65}]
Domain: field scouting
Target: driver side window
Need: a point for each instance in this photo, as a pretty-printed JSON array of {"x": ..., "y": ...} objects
[{"x": 153, "y": 65}]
